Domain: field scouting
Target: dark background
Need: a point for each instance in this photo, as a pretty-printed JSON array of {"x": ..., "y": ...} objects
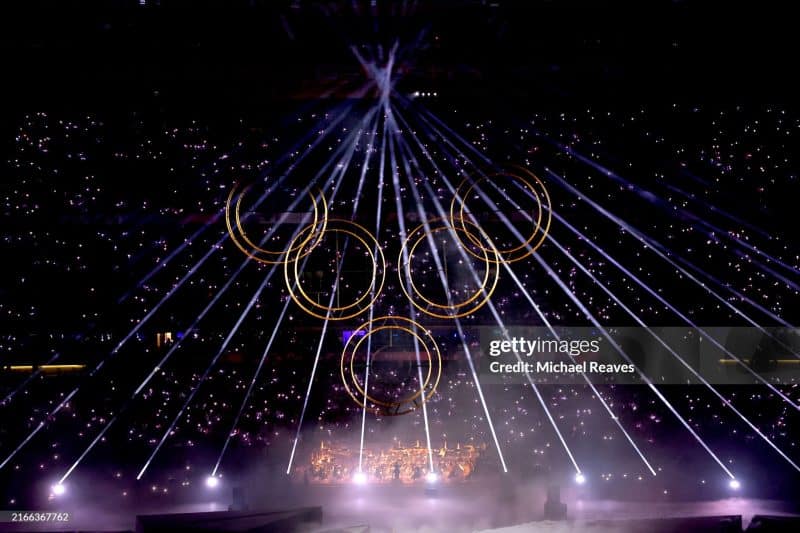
[{"x": 222, "y": 55}]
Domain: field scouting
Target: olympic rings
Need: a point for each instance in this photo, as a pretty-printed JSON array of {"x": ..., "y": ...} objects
[
  {"x": 305, "y": 302},
  {"x": 304, "y": 245},
  {"x": 525, "y": 249},
  {"x": 409, "y": 403},
  {"x": 492, "y": 263}
]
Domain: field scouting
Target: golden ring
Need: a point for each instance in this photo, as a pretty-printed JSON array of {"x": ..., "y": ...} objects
[
  {"x": 491, "y": 262},
  {"x": 405, "y": 400},
  {"x": 509, "y": 255},
  {"x": 350, "y": 228},
  {"x": 247, "y": 251},
  {"x": 396, "y": 407}
]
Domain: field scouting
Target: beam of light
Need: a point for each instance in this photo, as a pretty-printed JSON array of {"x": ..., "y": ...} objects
[
  {"x": 625, "y": 356},
  {"x": 172, "y": 349},
  {"x": 728, "y": 403},
  {"x": 208, "y": 370},
  {"x": 711, "y": 230},
  {"x": 227, "y": 340},
  {"x": 165, "y": 261},
  {"x": 616, "y": 346},
  {"x": 716, "y": 209},
  {"x": 692, "y": 197},
  {"x": 663, "y": 301},
  {"x": 764, "y": 268},
  {"x": 725, "y": 401},
  {"x": 313, "y": 373},
  {"x": 161, "y": 364},
  {"x": 334, "y": 291},
  {"x": 192, "y": 327},
  {"x": 666, "y": 254},
  {"x": 257, "y": 373},
  {"x": 622, "y": 224},
  {"x": 381, "y": 168},
  {"x": 402, "y": 228},
  {"x": 382, "y": 76},
  {"x": 440, "y": 270},
  {"x": 663, "y": 253},
  {"x": 269, "y": 345},
  {"x": 594, "y": 321},
  {"x": 236, "y": 327},
  {"x": 103, "y": 361},
  {"x": 722, "y": 285},
  {"x": 524, "y": 292},
  {"x": 321, "y": 135},
  {"x": 476, "y": 278}
]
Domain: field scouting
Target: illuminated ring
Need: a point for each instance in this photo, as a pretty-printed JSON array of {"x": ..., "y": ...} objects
[
  {"x": 350, "y": 228},
  {"x": 509, "y": 255},
  {"x": 476, "y": 182},
  {"x": 396, "y": 405},
  {"x": 401, "y": 401},
  {"x": 411, "y": 278},
  {"x": 255, "y": 257},
  {"x": 290, "y": 250},
  {"x": 491, "y": 262},
  {"x": 361, "y": 298}
]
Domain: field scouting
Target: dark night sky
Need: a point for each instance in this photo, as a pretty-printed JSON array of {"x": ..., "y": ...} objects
[{"x": 205, "y": 56}]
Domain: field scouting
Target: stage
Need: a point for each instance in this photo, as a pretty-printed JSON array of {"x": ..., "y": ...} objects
[{"x": 454, "y": 508}]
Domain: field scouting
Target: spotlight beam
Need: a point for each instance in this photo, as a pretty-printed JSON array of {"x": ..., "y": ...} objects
[
  {"x": 440, "y": 270},
  {"x": 158, "y": 367},
  {"x": 214, "y": 247},
  {"x": 725, "y": 401},
  {"x": 402, "y": 229},
  {"x": 382, "y": 165},
  {"x": 524, "y": 291},
  {"x": 728, "y": 403},
  {"x": 102, "y": 362},
  {"x": 616, "y": 346},
  {"x": 476, "y": 278},
  {"x": 27, "y": 380},
  {"x": 231, "y": 334},
  {"x": 276, "y": 329},
  {"x": 208, "y": 370},
  {"x": 625, "y": 356},
  {"x": 630, "y": 312},
  {"x": 334, "y": 290},
  {"x": 257, "y": 373},
  {"x": 711, "y": 230},
  {"x": 663, "y": 252},
  {"x": 485, "y": 159},
  {"x": 622, "y": 224},
  {"x": 690, "y": 196},
  {"x": 64, "y": 402},
  {"x": 657, "y": 247}
]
